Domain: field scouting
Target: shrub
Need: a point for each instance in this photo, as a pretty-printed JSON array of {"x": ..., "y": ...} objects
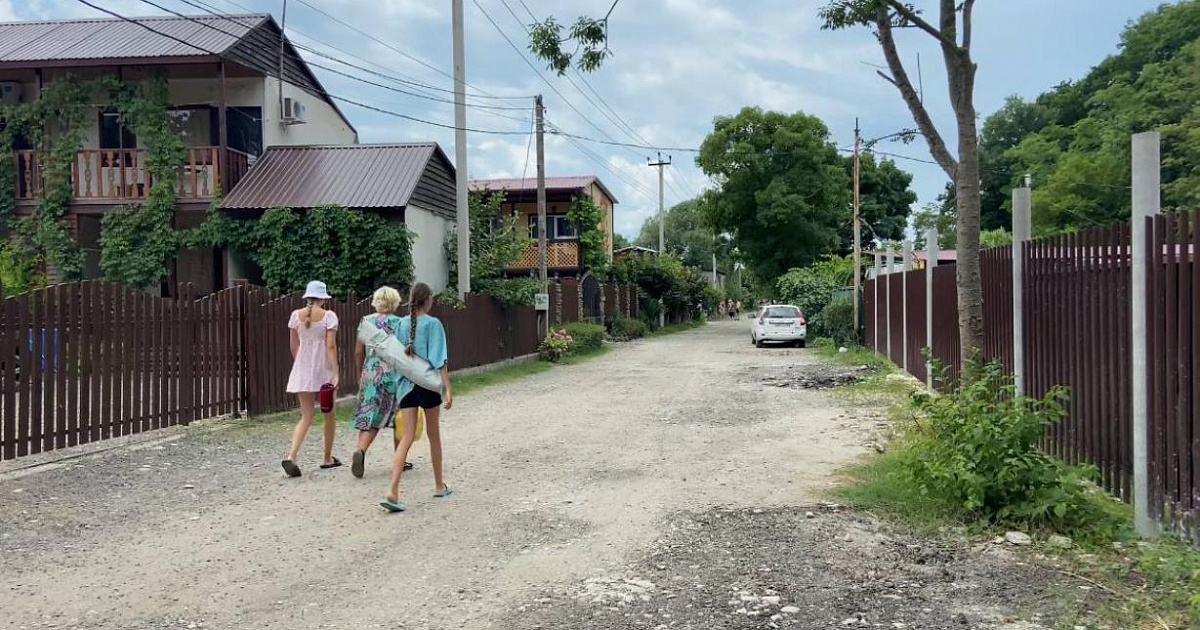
[
  {"x": 812, "y": 287},
  {"x": 978, "y": 448},
  {"x": 836, "y": 321},
  {"x": 587, "y": 337},
  {"x": 556, "y": 345},
  {"x": 624, "y": 328}
]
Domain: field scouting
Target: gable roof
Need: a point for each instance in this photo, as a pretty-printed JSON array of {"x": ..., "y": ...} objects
[
  {"x": 354, "y": 176},
  {"x": 251, "y": 40},
  {"x": 529, "y": 184}
]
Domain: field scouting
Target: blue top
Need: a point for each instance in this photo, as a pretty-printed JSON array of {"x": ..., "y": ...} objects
[{"x": 430, "y": 345}]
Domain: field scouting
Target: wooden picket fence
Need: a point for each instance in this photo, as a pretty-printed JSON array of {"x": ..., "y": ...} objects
[{"x": 90, "y": 361}]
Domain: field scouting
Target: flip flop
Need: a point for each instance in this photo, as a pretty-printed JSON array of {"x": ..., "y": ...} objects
[
  {"x": 408, "y": 466},
  {"x": 291, "y": 468},
  {"x": 392, "y": 506},
  {"x": 336, "y": 462},
  {"x": 356, "y": 466},
  {"x": 443, "y": 493}
]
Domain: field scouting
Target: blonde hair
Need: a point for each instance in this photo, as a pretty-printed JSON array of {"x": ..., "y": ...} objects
[
  {"x": 306, "y": 316},
  {"x": 385, "y": 300},
  {"x": 420, "y": 297}
]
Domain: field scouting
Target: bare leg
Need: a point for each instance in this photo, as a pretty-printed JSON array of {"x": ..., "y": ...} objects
[
  {"x": 330, "y": 433},
  {"x": 433, "y": 430},
  {"x": 365, "y": 438},
  {"x": 308, "y": 401},
  {"x": 409, "y": 419}
]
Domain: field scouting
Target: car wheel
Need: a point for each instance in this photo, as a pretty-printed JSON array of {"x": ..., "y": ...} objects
[
  {"x": 800, "y": 344},
  {"x": 758, "y": 343}
]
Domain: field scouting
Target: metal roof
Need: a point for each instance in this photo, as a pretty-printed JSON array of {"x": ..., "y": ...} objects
[
  {"x": 529, "y": 184},
  {"x": 111, "y": 38},
  {"x": 354, "y": 176}
]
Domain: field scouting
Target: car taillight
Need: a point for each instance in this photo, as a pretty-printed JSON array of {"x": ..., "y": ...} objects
[{"x": 800, "y": 322}]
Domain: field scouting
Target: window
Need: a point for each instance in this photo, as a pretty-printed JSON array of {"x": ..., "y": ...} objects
[
  {"x": 114, "y": 135},
  {"x": 194, "y": 126},
  {"x": 782, "y": 312},
  {"x": 558, "y": 228}
]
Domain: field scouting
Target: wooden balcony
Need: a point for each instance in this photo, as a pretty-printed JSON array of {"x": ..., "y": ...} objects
[
  {"x": 560, "y": 256},
  {"x": 120, "y": 176}
]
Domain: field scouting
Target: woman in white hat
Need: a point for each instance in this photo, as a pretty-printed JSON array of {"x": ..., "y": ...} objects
[{"x": 314, "y": 350}]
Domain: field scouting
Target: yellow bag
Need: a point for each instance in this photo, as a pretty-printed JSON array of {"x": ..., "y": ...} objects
[{"x": 399, "y": 428}]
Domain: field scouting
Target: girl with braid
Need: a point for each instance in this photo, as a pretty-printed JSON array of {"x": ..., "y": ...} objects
[{"x": 424, "y": 336}]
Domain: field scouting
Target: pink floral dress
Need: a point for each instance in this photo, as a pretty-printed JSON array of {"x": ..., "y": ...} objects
[{"x": 311, "y": 369}]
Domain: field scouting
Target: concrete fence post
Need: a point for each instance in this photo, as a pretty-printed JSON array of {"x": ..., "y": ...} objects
[
  {"x": 1146, "y": 203},
  {"x": 907, "y": 266},
  {"x": 931, "y": 260},
  {"x": 1022, "y": 229},
  {"x": 875, "y": 306},
  {"x": 887, "y": 296}
]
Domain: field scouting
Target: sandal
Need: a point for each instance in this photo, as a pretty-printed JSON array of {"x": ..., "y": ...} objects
[
  {"x": 291, "y": 468},
  {"x": 443, "y": 493},
  {"x": 336, "y": 462},
  {"x": 392, "y": 506},
  {"x": 357, "y": 466},
  {"x": 408, "y": 466}
]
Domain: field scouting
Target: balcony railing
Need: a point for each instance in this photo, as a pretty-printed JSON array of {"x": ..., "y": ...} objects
[
  {"x": 559, "y": 255},
  {"x": 120, "y": 175}
]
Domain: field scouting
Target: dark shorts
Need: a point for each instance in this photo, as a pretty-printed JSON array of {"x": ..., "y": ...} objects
[{"x": 421, "y": 397}]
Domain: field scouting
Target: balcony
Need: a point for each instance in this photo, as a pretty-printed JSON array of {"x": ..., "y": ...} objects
[
  {"x": 560, "y": 256},
  {"x": 120, "y": 176}
]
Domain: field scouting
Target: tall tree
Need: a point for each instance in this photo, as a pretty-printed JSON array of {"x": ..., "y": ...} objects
[
  {"x": 689, "y": 234},
  {"x": 885, "y": 201},
  {"x": 784, "y": 191},
  {"x": 952, "y": 32}
]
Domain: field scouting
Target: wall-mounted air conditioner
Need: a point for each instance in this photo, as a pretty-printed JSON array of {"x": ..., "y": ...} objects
[
  {"x": 293, "y": 111},
  {"x": 10, "y": 92}
]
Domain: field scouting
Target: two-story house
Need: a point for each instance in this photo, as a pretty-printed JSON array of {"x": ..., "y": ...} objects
[
  {"x": 563, "y": 255},
  {"x": 236, "y": 87}
]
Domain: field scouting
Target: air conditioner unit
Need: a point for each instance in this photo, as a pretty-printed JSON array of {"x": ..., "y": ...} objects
[
  {"x": 293, "y": 112},
  {"x": 10, "y": 92}
]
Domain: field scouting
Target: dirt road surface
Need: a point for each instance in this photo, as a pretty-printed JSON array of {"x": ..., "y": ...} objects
[{"x": 663, "y": 485}]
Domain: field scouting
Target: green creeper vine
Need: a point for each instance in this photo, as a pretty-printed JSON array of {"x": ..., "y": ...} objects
[
  {"x": 138, "y": 242},
  {"x": 588, "y": 217}
]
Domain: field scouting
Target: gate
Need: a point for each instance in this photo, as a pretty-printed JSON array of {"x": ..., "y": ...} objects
[{"x": 590, "y": 296}]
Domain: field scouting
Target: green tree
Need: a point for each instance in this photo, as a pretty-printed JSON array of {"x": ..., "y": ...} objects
[
  {"x": 784, "y": 191},
  {"x": 885, "y": 202},
  {"x": 940, "y": 215},
  {"x": 1001, "y": 132},
  {"x": 497, "y": 240},
  {"x": 688, "y": 233},
  {"x": 620, "y": 242}
]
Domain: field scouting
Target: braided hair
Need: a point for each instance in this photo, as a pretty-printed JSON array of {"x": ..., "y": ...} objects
[
  {"x": 419, "y": 298},
  {"x": 307, "y": 316}
]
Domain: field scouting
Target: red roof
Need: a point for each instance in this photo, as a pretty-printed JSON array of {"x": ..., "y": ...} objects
[{"x": 529, "y": 184}]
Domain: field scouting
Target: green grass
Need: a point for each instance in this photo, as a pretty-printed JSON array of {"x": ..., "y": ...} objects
[
  {"x": 874, "y": 485},
  {"x": 674, "y": 328}
]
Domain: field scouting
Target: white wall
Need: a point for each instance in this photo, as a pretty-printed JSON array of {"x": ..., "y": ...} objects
[
  {"x": 429, "y": 232},
  {"x": 324, "y": 125}
]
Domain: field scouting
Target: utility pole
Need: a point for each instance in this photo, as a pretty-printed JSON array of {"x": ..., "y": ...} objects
[
  {"x": 857, "y": 225},
  {"x": 460, "y": 152},
  {"x": 282, "y": 52},
  {"x": 662, "y": 230},
  {"x": 541, "y": 188}
]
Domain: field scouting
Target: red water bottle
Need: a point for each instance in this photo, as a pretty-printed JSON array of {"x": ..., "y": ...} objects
[{"x": 326, "y": 397}]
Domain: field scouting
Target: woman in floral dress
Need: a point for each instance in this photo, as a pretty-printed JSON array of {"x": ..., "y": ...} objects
[{"x": 378, "y": 383}]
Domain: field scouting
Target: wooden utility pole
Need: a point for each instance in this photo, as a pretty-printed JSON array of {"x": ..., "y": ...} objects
[
  {"x": 462, "y": 199},
  {"x": 662, "y": 214},
  {"x": 539, "y": 115},
  {"x": 857, "y": 224}
]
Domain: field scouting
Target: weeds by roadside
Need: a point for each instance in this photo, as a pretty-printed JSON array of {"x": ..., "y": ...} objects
[
  {"x": 954, "y": 468},
  {"x": 674, "y": 328}
]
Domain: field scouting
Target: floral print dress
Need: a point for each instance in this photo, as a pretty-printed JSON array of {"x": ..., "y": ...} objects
[{"x": 377, "y": 396}]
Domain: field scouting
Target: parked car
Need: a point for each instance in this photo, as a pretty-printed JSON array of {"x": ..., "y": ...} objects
[{"x": 779, "y": 322}]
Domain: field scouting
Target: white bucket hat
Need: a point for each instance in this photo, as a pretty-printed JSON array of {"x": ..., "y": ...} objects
[{"x": 316, "y": 290}]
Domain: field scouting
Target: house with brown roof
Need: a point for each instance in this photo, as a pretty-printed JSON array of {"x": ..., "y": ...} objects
[
  {"x": 563, "y": 253},
  {"x": 409, "y": 183},
  {"x": 228, "y": 101}
]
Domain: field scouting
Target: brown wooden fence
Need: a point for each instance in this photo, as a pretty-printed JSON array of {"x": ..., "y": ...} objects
[
  {"x": 90, "y": 361},
  {"x": 1076, "y": 295}
]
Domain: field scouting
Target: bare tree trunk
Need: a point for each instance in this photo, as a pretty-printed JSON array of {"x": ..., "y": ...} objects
[{"x": 970, "y": 286}]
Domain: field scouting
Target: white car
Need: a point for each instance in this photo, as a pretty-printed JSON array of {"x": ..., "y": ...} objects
[{"x": 779, "y": 322}]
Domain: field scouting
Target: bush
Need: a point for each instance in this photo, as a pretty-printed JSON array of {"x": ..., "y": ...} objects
[
  {"x": 555, "y": 346},
  {"x": 587, "y": 337},
  {"x": 812, "y": 287},
  {"x": 836, "y": 321},
  {"x": 624, "y": 328},
  {"x": 978, "y": 449}
]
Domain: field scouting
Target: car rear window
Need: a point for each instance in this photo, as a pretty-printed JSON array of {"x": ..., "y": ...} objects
[{"x": 783, "y": 311}]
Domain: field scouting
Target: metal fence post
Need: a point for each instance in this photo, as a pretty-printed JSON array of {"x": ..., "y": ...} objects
[
  {"x": 931, "y": 260},
  {"x": 1022, "y": 228},
  {"x": 907, "y": 267},
  {"x": 1146, "y": 203}
]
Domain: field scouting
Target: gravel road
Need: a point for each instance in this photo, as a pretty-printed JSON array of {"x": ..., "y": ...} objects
[{"x": 583, "y": 498}]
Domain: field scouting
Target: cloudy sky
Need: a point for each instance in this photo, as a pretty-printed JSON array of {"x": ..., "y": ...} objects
[{"x": 676, "y": 65}]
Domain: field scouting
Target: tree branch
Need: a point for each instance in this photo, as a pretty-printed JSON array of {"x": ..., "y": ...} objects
[
  {"x": 910, "y": 15},
  {"x": 900, "y": 78},
  {"x": 968, "y": 7},
  {"x": 887, "y": 78}
]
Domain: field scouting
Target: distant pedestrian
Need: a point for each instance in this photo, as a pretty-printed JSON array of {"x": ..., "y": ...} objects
[
  {"x": 425, "y": 337},
  {"x": 378, "y": 381},
  {"x": 315, "y": 365}
]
